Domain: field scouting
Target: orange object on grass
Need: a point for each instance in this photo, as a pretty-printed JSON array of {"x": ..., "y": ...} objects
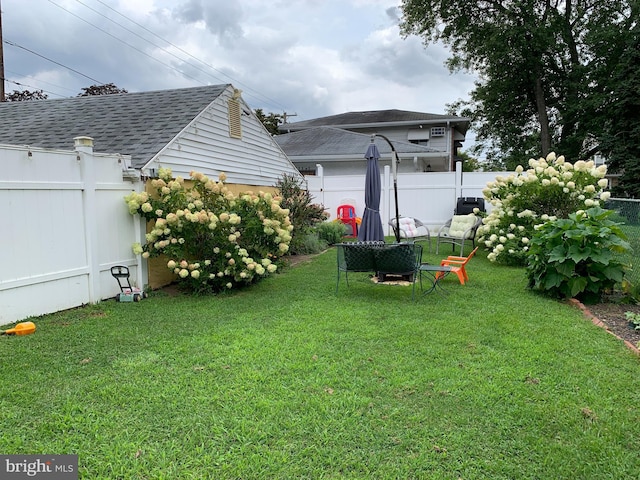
[
  {"x": 24, "y": 328},
  {"x": 457, "y": 265}
]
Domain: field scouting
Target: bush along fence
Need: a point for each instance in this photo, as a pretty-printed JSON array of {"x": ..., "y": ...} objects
[
  {"x": 212, "y": 239},
  {"x": 549, "y": 217},
  {"x": 627, "y": 212}
]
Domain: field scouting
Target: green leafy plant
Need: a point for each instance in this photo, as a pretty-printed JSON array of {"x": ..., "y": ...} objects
[
  {"x": 311, "y": 243},
  {"x": 574, "y": 257},
  {"x": 634, "y": 319},
  {"x": 331, "y": 232},
  {"x": 213, "y": 240},
  {"x": 551, "y": 188},
  {"x": 304, "y": 214}
]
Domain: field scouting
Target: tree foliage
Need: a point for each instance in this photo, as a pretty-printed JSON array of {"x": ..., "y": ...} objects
[
  {"x": 25, "y": 96},
  {"x": 269, "y": 120},
  {"x": 620, "y": 143},
  {"x": 544, "y": 67},
  {"x": 469, "y": 163},
  {"x": 106, "y": 89}
]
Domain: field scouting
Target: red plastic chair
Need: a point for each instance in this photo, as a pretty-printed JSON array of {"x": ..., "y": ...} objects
[{"x": 347, "y": 215}]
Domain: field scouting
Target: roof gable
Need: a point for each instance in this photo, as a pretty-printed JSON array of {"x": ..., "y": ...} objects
[{"x": 136, "y": 124}]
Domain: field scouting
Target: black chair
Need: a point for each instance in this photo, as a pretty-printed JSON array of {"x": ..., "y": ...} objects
[{"x": 465, "y": 205}]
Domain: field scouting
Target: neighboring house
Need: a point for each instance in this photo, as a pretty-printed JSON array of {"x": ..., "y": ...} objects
[
  {"x": 207, "y": 129},
  {"x": 341, "y": 152},
  {"x": 439, "y": 137}
]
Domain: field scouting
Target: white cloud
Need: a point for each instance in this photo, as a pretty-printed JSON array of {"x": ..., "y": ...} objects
[{"x": 310, "y": 57}]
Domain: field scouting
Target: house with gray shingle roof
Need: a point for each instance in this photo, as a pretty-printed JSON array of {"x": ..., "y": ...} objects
[
  {"x": 207, "y": 129},
  {"x": 424, "y": 141},
  {"x": 341, "y": 152}
]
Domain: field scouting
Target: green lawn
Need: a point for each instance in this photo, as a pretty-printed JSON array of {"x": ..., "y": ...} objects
[{"x": 288, "y": 380}]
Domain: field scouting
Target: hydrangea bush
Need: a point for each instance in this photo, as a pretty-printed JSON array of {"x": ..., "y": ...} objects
[
  {"x": 212, "y": 239},
  {"x": 549, "y": 189}
]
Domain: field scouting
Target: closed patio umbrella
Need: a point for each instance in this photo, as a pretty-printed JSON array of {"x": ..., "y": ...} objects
[{"x": 371, "y": 226}]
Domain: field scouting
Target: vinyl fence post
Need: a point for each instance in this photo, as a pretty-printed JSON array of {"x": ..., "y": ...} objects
[
  {"x": 84, "y": 148},
  {"x": 458, "y": 182}
]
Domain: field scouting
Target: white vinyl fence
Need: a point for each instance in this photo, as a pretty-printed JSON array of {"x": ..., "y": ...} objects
[
  {"x": 430, "y": 197},
  {"x": 64, "y": 225}
]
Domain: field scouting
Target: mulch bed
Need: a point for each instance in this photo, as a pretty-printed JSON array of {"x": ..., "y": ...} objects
[{"x": 613, "y": 316}]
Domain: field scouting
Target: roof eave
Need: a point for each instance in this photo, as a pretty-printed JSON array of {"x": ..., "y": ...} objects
[
  {"x": 402, "y": 123},
  {"x": 383, "y": 157}
]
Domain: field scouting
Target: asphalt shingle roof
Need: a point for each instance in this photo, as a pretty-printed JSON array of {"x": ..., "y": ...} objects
[
  {"x": 370, "y": 117},
  {"x": 136, "y": 124},
  {"x": 335, "y": 141}
]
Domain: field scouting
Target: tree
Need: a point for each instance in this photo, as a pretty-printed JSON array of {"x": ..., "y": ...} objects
[
  {"x": 543, "y": 68},
  {"x": 469, "y": 164},
  {"x": 106, "y": 89},
  {"x": 270, "y": 121},
  {"x": 25, "y": 96},
  {"x": 620, "y": 141}
]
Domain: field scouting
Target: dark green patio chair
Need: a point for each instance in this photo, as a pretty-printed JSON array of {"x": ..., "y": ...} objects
[
  {"x": 356, "y": 257},
  {"x": 399, "y": 259}
]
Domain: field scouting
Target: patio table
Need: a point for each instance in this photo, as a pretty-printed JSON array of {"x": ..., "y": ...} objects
[{"x": 431, "y": 272}]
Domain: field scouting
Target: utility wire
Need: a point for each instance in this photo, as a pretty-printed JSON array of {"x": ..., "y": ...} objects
[
  {"x": 13, "y": 44},
  {"x": 24, "y": 75},
  {"x": 127, "y": 44},
  {"x": 248, "y": 89},
  {"x": 141, "y": 37},
  {"x": 30, "y": 86},
  {"x": 259, "y": 97}
]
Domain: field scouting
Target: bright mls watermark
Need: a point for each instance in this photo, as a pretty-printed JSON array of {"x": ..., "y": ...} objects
[{"x": 49, "y": 467}]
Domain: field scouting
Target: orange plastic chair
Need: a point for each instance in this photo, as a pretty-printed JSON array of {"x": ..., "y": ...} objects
[
  {"x": 457, "y": 265},
  {"x": 347, "y": 215}
]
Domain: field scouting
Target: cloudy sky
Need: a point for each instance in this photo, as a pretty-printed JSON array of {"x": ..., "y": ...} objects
[{"x": 306, "y": 57}]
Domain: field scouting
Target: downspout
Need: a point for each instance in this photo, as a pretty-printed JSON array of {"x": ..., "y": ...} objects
[{"x": 450, "y": 147}]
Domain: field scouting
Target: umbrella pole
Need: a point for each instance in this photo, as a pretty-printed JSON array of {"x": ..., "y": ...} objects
[
  {"x": 394, "y": 168},
  {"x": 397, "y": 229}
]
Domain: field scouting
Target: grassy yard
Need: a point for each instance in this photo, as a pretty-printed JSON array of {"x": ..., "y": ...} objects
[{"x": 289, "y": 380}]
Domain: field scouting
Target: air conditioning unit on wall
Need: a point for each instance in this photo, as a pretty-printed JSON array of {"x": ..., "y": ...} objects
[{"x": 437, "y": 131}]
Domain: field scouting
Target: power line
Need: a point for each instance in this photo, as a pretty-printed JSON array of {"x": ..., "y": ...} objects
[
  {"x": 140, "y": 36},
  {"x": 122, "y": 41},
  {"x": 13, "y": 44},
  {"x": 258, "y": 95},
  {"x": 23, "y": 75},
  {"x": 248, "y": 89},
  {"x": 30, "y": 86}
]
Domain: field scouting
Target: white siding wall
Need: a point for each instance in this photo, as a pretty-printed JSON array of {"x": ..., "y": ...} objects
[
  {"x": 65, "y": 224},
  {"x": 205, "y": 146}
]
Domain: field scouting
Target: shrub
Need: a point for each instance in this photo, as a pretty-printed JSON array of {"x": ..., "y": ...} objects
[
  {"x": 331, "y": 232},
  {"x": 551, "y": 188},
  {"x": 212, "y": 239},
  {"x": 303, "y": 213},
  {"x": 574, "y": 257},
  {"x": 310, "y": 244}
]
